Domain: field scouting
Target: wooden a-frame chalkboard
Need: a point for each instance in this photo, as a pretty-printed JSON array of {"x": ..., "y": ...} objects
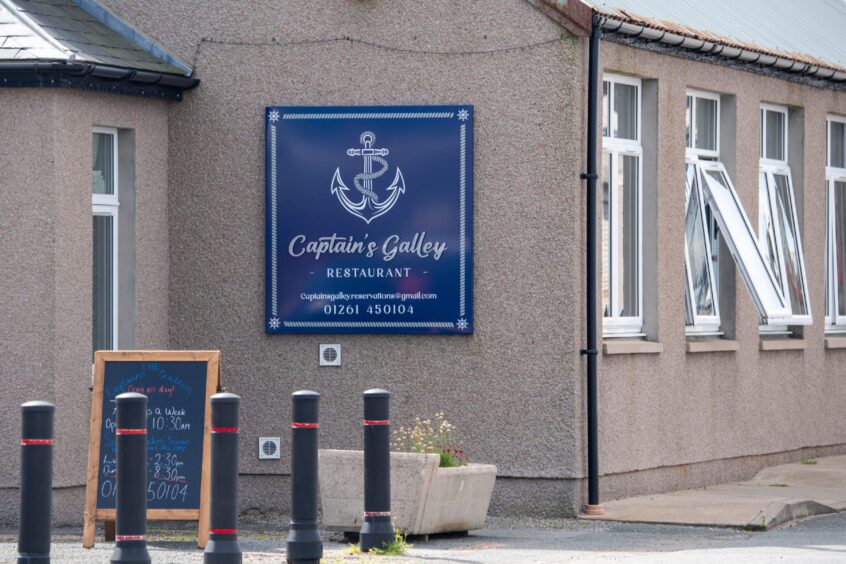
[{"x": 178, "y": 385}]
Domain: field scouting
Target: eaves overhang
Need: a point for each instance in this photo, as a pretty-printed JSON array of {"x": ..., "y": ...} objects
[
  {"x": 677, "y": 39},
  {"x": 683, "y": 38},
  {"x": 94, "y": 77},
  {"x": 80, "y": 44}
]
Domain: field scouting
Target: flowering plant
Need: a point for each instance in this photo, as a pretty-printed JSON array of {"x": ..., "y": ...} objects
[{"x": 430, "y": 437}]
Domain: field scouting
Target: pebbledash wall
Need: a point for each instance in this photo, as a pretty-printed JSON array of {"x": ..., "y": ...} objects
[
  {"x": 680, "y": 419},
  {"x": 511, "y": 388},
  {"x": 45, "y": 252},
  {"x": 515, "y": 388}
]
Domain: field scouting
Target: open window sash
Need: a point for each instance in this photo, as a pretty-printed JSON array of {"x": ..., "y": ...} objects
[
  {"x": 702, "y": 309},
  {"x": 740, "y": 238},
  {"x": 789, "y": 264}
]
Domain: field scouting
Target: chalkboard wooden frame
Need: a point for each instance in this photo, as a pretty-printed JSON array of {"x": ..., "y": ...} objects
[{"x": 92, "y": 513}]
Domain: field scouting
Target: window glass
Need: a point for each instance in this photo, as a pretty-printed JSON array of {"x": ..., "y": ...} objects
[
  {"x": 837, "y": 133},
  {"x": 606, "y": 107},
  {"x": 794, "y": 285},
  {"x": 103, "y": 164},
  {"x": 688, "y": 122},
  {"x": 774, "y": 143},
  {"x": 840, "y": 245},
  {"x": 828, "y": 254},
  {"x": 761, "y": 132},
  {"x": 103, "y": 304},
  {"x": 626, "y": 222},
  {"x": 606, "y": 234},
  {"x": 766, "y": 228},
  {"x": 697, "y": 250},
  {"x": 706, "y": 124},
  {"x": 624, "y": 118}
]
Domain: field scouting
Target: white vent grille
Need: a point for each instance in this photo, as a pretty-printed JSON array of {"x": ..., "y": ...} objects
[
  {"x": 330, "y": 355},
  {"x": 268, "y": 448}
]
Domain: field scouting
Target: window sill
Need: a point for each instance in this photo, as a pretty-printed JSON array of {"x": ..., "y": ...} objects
[
  {"x": 835, "y": 342},
  {"x": 782, "y": 344},
  {"x": 713, "y": 345},
  {"x": 631, "y": 347}
]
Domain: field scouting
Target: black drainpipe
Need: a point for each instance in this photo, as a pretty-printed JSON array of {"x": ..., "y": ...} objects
[{"x": 593, "y": 507}]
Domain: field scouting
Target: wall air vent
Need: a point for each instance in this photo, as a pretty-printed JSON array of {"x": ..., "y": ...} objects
[
  {"x": 268, "y": 448},
  {"x": 330, "y": 355}
]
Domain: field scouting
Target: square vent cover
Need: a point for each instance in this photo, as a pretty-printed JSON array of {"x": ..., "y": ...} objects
[
  {"x": 268, "y": 448},
  {"x": 330, "y": 355}
]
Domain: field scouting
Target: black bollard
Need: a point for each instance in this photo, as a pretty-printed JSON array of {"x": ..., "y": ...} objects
[
  {"x": 36, "y": 482},
  {"x": 304, "y": 544},
  {"x": 223, "y": 547},
  {"x": 131, "y": 495},
  {"x": 377, "y": 531}
]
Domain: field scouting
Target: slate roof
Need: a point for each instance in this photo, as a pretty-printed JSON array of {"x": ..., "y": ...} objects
[{"x": 79, "y": 31}]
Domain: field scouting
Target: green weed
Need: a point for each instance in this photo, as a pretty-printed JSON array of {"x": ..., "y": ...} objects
[{"x": 395, "y": 548}]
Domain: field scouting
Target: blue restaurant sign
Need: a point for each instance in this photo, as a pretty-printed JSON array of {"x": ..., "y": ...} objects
[{"x": 369, "y": 225}]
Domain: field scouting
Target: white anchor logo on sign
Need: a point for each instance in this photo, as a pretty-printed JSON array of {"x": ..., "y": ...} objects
[{"x": 371, "y": 205}]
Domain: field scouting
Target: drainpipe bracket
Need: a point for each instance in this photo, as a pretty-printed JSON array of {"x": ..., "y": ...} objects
[
  {"x": 589, "y": 351},
  {"x": 588, "y": 176}
]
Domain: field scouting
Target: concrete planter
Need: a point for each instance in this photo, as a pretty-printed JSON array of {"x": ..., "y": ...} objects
[{"x": 425, "y": 499}]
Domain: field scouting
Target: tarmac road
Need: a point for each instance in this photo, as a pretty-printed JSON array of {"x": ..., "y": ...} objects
[{"x": 817, "y": 540}]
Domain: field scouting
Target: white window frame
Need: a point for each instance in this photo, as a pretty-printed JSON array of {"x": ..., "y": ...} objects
[
  {"x": 108, "y": 205},
  {"x": 771, "y": 167},
  {"x": 834, "y": 323},
  {"x": 777, "y": 109},
  {"x": 624, "y": 326},
  {"x": 692, "y": 150}
]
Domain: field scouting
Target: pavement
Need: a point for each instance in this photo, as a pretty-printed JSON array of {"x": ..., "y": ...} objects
[
  {"x": 775, "y": 496},
  {"x": 761, "y": 520},
  {"x": 821, "y": 540}
]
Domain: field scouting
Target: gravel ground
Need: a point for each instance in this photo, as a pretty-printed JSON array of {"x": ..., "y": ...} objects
[{"x": 507, "y": 541}]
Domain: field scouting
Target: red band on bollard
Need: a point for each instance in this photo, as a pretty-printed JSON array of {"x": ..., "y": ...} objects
[
  {"x": 377, "y": 513},
  {"x": 305, "y": 425},
  {"x": 223, "y": 531},
  {"x": 27, "y": 442},
  {"x": 131, "y": 431},
  {"x": 225, "y": 429},
  {"x": 129, "y": 537},
  {"x": 370, "y": 422}
]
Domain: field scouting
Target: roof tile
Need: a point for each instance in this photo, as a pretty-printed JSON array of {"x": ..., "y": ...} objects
[{"x": 55, "y": 29}]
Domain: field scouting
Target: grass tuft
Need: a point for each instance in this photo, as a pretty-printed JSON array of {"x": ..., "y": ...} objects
[
  {"x": 395, "y": 548},
  {"x": 807, "y": 462},
  {"x": 353, "y": 550}
]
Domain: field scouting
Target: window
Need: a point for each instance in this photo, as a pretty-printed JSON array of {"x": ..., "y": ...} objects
[
  {"x": 778, "y": 227},
  {"x": 702, "y": 132},
  {"x": 835, "y": 239},
  {"x": 712, "y": 212},
  {"x": 622, "y": 155},
  {"x": 104, "y": 209}
]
